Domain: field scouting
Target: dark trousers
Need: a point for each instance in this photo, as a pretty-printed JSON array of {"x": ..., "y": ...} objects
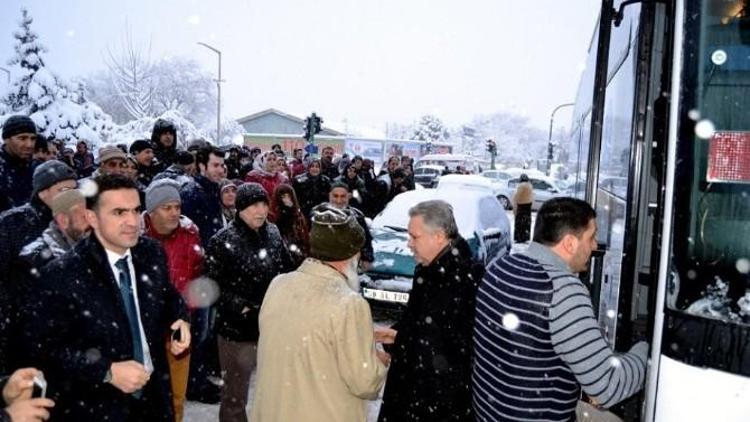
[
  {"x": 203, "y": 352},
  {"x": 522, "y": 224},
  {"x": 238, "y": 360}
]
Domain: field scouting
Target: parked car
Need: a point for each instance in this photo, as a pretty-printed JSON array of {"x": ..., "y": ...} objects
[
  {"x": 428, "y": 175},
  {"x": 452, "y": 161},
  {"x": 498, "y": 176},
  {"x": 481, "y": 221},
  {"x": 544, "y": 189}
]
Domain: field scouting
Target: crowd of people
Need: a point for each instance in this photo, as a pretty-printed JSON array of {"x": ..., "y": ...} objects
[{"x": 151, "y": 275}]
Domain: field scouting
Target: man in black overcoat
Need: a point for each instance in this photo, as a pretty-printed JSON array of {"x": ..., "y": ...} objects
[
  {"x": 431, "y": 345},
  {"x": 102, "y": 316}
]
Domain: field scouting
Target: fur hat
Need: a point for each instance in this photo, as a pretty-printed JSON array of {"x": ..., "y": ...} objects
[
  {"x": 64, "y": 201},
  {"x": 109, "y": 152},
  {"x": 249, "y": 194},
  {"x": 18, "y": 124},
  {"x": 50, "y": 172},
  {"x": 335, "y": 234}
]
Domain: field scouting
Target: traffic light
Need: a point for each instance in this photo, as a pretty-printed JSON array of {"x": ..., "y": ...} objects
[
  {"x": 317, "y": 122},
  {"x": 308, "y": 129},
  {"x": 491, "y": 147}
]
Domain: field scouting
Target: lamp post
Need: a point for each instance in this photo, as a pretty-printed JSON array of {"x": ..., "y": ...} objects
[
  {"x": 218, "y": 90},
  {"x": 550, "y": 147}
]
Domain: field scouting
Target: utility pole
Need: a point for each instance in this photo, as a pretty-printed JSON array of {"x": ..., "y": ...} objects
[
  {"x": 218, "y": 92},
  {"x": 550, "y": 146}
]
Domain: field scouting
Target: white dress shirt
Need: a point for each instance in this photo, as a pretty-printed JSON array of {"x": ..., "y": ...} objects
[{"x": 113, "y": 258}]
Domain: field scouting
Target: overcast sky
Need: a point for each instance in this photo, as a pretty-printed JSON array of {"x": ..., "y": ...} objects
[{"x": 369, "y": 62}]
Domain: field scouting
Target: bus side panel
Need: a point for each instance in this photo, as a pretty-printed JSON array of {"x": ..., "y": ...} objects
[{"x": 688, "y": 393}]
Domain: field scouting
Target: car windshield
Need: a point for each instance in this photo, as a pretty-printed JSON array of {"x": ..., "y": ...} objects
[{"x": 396, "y": 214}]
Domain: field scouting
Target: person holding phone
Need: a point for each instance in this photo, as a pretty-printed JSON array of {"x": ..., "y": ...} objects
[
  {"x": 101, "y": 313},
  {"x": 21, "y": 405}
]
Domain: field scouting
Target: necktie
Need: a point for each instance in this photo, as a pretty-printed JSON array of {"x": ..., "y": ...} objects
[{"x": 128, "y": 299}]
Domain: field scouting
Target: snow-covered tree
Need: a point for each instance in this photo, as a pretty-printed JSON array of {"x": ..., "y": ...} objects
[
  {"x": 182, "y": 84},
  {"x": 517, "y": 141},
  {"x": 429, "y": 129},
  {"x": 141, "y": 129},
  {"x": 57, "y": 108},
  {"x": 131, "y": 73}
]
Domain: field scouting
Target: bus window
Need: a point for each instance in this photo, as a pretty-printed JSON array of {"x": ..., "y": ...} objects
[{"x": 712, "y": 221}]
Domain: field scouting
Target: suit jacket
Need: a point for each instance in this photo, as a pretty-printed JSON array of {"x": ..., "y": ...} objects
[{"x": 78, "y": 327}]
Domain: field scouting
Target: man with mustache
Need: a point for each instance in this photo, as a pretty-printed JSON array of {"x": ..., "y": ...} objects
[{"x": 101, "y": 314}]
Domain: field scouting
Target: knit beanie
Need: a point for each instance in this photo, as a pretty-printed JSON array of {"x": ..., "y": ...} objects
[
  {"x": 184, "y": 158},
  {"x": 160, "y": 192},
  {"x": 18, "y": 124},
  {"x": 139, "y": 145},
  {"x": 335, "y": 234},
  {"x": 50, "y": 172},
  {"x": 64, "y": 201},
  {"x": 249, "y": 194}
]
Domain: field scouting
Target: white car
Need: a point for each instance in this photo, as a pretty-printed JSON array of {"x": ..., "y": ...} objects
[
  {"x": 481, "y": 221},
  {"x": 544, "y": 189},
  {"x": 468, "y": 181}
]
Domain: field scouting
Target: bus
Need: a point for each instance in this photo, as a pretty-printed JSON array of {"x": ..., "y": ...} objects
[{"x": 660, "y": 143}]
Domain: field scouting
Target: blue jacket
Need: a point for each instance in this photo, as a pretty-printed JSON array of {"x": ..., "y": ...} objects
[{"x": 201, "y": 202}]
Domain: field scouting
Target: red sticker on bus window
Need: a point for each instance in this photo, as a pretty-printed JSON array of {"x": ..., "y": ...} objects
[{"x": 729, "y": 158}]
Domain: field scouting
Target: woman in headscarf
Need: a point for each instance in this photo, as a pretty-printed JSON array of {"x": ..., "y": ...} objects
[
  {"x": 267, "y": 173},
  {"x": 286, "y": 214}
]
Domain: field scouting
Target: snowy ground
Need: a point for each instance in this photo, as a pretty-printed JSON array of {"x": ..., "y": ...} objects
[{"x": 199, "y": 412}]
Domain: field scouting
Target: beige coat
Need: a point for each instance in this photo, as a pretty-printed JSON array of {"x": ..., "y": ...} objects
[
  {"x": 316, "y": 356},
  {"x": 524, "y": 194}
]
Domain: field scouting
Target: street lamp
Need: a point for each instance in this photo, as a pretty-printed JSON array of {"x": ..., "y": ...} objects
[
  {"x": 550, "y": 147},
  {"x": 218, "y": 89}
]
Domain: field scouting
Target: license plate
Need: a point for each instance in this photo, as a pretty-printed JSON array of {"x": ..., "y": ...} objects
[{"x": 385, "y": 295}]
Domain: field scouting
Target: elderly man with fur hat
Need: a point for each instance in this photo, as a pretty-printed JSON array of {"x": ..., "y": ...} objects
[
  {"x": 243, "y": 258},
  {"x": 21, "y": 225},
  {"x": 69, "y": 225},
  {"x": 317, "y": 359}
]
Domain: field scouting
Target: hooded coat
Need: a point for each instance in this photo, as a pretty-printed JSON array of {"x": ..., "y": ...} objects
[
  {"x": 243, "y": 262},
  {"x": 430, "y": 375},
  {"x": 165, "y": 156}
]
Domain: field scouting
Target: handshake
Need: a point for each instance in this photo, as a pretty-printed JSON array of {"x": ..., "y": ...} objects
[{"x": 384, "y": 335}]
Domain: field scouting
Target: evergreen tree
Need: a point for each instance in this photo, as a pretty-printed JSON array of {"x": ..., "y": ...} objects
[
  {"x": 57, "y": 109},
  {"x": 429, "y": 129}
]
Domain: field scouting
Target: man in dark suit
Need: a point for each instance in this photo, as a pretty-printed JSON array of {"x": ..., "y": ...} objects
[{"x": 102, "y": 315}]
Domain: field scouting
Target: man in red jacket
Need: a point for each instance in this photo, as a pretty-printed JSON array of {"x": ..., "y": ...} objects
[{"x": 179, "y": 237}]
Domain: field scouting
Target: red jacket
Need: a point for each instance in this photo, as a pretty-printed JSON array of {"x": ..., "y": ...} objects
[
  {"x": 267, "y": 180},
  {"x": 297, "y": 168},
  {"x": 184, "y": 253}
]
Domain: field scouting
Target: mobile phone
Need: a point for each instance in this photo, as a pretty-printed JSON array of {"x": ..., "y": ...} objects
[
  {"x": 177, "y": 335},
  {"x": 40, "y": 387}
]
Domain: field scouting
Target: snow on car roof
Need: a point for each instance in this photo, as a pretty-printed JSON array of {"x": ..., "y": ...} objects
[{"x": 465, "y": 208}]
